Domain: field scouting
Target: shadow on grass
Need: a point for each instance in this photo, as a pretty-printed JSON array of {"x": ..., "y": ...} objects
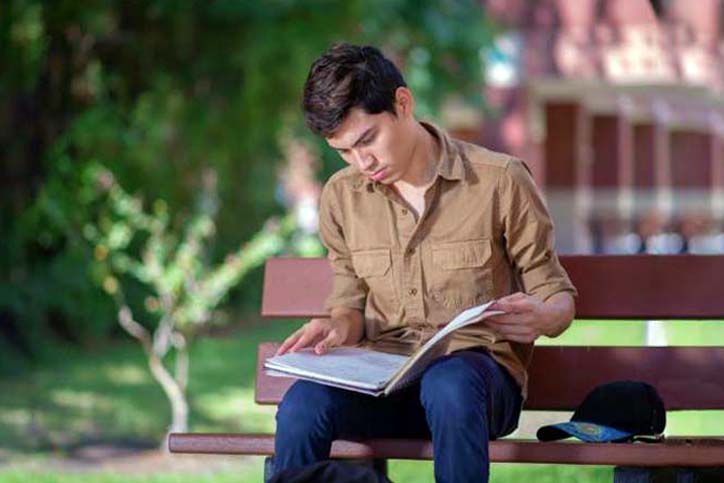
[{"x": 80, "y": 398}]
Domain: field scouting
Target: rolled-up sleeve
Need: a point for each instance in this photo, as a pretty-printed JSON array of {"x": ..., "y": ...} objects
[
  {"x": 348, "y": 290},
  {"x": 529, "y": 237}
]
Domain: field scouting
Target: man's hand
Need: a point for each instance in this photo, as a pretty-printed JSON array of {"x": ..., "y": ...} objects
[
  {"x": 526, "y": 317},
  {"x": 343, "y": 327}
]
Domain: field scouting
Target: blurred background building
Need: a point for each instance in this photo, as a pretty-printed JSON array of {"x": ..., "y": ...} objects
[{"x": 617, "y": 107}]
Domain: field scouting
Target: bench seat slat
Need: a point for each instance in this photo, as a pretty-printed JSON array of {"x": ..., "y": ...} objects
[
  {"x": 675, "y": 452},
  {"x": 686, "y": 377}
]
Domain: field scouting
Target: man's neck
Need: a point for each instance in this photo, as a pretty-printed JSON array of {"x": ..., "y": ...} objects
[{"x": 425, "y": 154}]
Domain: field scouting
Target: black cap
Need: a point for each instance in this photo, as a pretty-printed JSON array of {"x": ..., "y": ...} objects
[{"x": 617, "y": 411}]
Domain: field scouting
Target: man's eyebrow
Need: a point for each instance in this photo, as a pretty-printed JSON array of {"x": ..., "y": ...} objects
[{"x": 359, "y": 139}]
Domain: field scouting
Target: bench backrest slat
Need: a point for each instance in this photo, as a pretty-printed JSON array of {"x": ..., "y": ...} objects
[
  {"x": 686, "y": 377},
  {"x": 610, "y": 287},
  {"x": 615, "y": 287}
]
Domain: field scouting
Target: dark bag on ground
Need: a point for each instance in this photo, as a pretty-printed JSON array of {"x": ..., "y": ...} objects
[{"x": 330, "y": 471}]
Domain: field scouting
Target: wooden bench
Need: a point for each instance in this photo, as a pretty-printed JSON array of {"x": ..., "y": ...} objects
[{"x": 645, "y": 287}]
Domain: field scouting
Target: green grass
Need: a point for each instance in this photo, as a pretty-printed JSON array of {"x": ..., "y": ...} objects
[
  {"x": 422, "y": 471},
  {"x": 110, "y": 394},
  {"x": 250, "y": 475},
  {"x": 400, "y": 472},
  {"x": 107, "y": 394}
]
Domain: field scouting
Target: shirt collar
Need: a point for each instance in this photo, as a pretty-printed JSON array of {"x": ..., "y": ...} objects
[{"x": 449, "y": 166}]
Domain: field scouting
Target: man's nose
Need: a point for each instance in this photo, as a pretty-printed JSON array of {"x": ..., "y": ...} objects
[{"x": 364, "y": 160}]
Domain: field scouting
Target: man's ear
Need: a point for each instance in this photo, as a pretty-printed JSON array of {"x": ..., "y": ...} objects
[{"x": 404, "y": 102}]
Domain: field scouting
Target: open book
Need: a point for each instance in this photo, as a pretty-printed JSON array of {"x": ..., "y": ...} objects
[{"x": 368, "y": 371}]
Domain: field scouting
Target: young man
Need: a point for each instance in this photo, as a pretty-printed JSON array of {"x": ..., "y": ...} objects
[{"x": 418, "y": 227}]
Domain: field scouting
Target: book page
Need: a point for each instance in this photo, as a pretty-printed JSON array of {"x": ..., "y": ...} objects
[
  {"x": 348, "y": 366},
  {"x": 369, "y": 371},
  {"x": 437, "y": 345},
  {"x": 464, "y": 318},
  {"x": 416, "y": 366},
  {"x": 371, "y": 392}
]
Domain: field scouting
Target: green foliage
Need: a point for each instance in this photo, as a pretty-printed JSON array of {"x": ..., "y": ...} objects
[
  {"x": 175, "y": 268},
  {"x": 159, "y": 92},
  {"x": 57, "y": 301}
]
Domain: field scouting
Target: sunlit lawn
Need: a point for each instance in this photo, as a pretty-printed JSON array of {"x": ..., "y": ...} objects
[{"x": 77, "y": 397}]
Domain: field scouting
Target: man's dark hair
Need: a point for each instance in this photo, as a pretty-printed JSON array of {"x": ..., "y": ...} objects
[{"x": 344, "y": 77}]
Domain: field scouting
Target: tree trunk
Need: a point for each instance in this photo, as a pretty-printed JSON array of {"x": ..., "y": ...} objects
[
  {"x": 174, "y": 389},
  {"x": 182, "y": 360},
  {"x": 174, "y": 392}
]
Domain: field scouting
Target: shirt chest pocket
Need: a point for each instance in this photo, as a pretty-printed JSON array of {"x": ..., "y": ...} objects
[
  {"x": 375, "y": 267},
  {"x": 461, "y": 274}
]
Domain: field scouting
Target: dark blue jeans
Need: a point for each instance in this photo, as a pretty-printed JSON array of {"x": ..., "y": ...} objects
[{"x": 462, "y": 401}]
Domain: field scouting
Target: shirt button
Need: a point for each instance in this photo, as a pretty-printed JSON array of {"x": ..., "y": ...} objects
[
  {"x": 410, "y": 251},
  {"x": 412, "y": 291},
  {"x": 403, "y": 211}
]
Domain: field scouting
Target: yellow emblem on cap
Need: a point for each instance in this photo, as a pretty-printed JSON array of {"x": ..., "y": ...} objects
[{"x": 589, "y": 429}]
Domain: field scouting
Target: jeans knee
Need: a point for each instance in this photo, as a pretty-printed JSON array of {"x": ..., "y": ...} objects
[
  {"x": 451, "y": 388},
  {"x": 306, "y": 406}
]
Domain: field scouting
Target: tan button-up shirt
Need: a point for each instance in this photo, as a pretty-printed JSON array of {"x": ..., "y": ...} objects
[{"x": 485, "y": 233}]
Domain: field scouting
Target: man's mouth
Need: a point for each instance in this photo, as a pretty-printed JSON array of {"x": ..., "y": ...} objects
[{"x": 379, "y": 174}]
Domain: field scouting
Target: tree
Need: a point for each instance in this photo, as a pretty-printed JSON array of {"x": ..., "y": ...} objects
[{"x": 138, "y": 249}]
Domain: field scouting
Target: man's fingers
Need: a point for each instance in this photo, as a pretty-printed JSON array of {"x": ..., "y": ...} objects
[
  {"x": 309, "y": 334},
  {"x": 502, "y": 305},
  {"x": 507, "y": 319},
  {"x": 289, "y": 341},
  {"x": 512, "y": 303},
  {"x": 327, "y": 343},
  {"x": 308, "y": 338},
  {"x": 517, "y": 307},
  {"x": 516, "y": 333}
]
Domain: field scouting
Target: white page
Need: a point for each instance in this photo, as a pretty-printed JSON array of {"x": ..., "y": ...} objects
[
  {"x": 370, "y": 392},
  {"x": 350, "y": 366}
]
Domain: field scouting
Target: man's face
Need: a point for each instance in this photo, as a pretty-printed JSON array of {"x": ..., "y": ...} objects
[{"x": 378, "y": 145}]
